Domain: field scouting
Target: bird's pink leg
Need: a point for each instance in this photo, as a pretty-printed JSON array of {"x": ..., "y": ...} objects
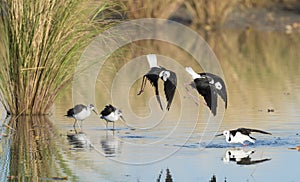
[
  {"x": 74, "y": 126},
  {"x": 142, "y": 86},
  {"x": 190, "y": 94}
]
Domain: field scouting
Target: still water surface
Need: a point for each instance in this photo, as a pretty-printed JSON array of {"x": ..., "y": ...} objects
[{"x": 262, "y": 71}]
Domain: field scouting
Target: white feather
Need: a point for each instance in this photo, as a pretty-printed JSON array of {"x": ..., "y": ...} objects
[
  {"x": 192, "y": 73},
  {"x": 152, "y": 60},
  {"x": 82, "y": 115}
]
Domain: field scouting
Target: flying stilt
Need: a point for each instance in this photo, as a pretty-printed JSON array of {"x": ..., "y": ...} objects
[
  {"x": 111, "y": 114},
  {"x": 80, "y": 112},
  {"x": 241, "y": 135},
  {"x": 209, "y": 86},
  {"x": 156, "y": 72}
]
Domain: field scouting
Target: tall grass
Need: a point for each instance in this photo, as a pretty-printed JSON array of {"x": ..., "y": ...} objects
[{"x": 40, "y": 44}]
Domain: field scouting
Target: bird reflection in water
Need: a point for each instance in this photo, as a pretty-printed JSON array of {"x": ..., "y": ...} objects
[
  {"x": 110, "y": 145},
  {"x": 168, "y": 176},
  {"x": 241, "y": 157},
  {"x": 79, "y": 140}
]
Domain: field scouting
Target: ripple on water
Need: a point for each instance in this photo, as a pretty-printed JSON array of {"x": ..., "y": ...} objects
[{"x": 275, "y": 142}]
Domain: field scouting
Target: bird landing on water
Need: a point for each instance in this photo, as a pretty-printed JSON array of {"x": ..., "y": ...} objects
[{"x": 241, "y": 135}]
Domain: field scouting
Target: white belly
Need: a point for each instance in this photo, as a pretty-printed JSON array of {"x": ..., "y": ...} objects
[
  {"x": 111, "y": 117},
  {"x": 82, "y": 115},
  {"x": 239, "y": 138}
]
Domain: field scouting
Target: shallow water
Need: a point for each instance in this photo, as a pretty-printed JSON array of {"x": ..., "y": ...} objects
[{"x": 263, "y": 73}]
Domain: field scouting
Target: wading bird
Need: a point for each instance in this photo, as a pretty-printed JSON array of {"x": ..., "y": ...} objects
[
  {"x": 241, "y": 135},
  {"x": 111, "y": 114},
  {"x": 156, "y": 72},
  {"x": 209, "y": 86},
  {"x": 80, "y": 112}
]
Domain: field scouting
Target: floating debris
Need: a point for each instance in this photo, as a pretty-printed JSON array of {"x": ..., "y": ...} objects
[
  {"x": 295, "y": 148},
  {"x": 12, "y": 177}
]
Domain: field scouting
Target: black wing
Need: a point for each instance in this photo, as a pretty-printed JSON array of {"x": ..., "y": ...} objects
[
  {"x": 77, "y": 109},
  {"x": 208, "y": 92},
  {"x": 248, "y": 131},
  {"x": 170, "y": 88},
  {"x": 211, "y": 101},
  {"x": 153, "y": 76},
  {"x": 222, "y": 92},
  {"x": 107, "y": 110}
]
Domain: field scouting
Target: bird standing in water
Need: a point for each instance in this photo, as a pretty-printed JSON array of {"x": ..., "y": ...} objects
[
  {"x": 209, "y": 86},
  {"x": 111, "y": 114},
  {"x": 80, "y": 112},
  {"x": 156, "y": 72}
]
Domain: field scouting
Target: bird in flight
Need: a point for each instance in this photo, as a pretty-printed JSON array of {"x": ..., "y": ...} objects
[
  {"x": 209, "y": 86},
  {"x": 153, "y": 75}
]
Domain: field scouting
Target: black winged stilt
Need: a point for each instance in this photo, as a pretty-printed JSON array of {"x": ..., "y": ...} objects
[
  {"x": 80, "y": 112},
  {"x": 241, "y": 135},
  {"x": 156, "y": 72},
  {"x": 111, "y": 114},
  {"x": 209, "y": 86}
]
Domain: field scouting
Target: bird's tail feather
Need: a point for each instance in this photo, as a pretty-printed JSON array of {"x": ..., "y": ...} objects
[
  {"x": 192, "y": 72},
  {"x": 152, "y": 60}
]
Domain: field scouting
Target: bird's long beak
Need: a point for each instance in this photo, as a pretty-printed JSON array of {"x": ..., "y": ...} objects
[
  {"x": 122, "y": 118},
  {"x": 95, "y": 111},
  {"x": 219, "y": 135}
]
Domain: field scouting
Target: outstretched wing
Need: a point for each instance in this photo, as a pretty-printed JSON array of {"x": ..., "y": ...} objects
[
  {"x": 208, "y": 92},
  {"x": 247, "y": 131},
  {"x": 153, "y": 76},
  {"x": 170, "y": 88},
  {"x": 219, "y": 84},
  {"x": 211, "y": 101}
]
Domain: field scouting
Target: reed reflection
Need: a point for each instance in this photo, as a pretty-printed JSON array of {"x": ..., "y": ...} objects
[{"x": 33, "y": 152}]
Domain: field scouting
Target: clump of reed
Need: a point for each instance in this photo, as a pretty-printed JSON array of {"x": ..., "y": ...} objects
[
  {"x": 151, "y": 8},
  {"x": 41, "y": 42},
  {"x": 209, "y": 13}
]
